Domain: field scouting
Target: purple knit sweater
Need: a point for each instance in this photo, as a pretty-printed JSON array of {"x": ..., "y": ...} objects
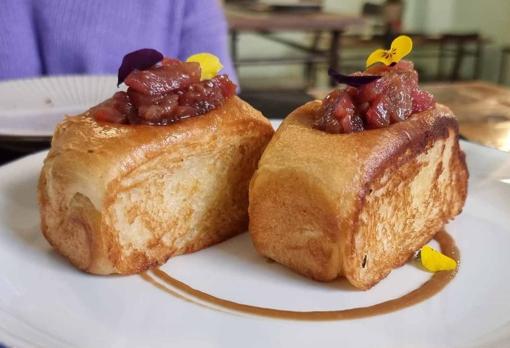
[{"x": 55, "y": 37}]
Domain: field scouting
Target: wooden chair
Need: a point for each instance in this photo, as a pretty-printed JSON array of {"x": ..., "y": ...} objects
[{"x": 460, "y": 46}]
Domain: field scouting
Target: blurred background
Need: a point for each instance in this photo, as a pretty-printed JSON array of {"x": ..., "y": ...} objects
[
  {"x": 454, "y": 39},
  {"x": 278, "y": 50},
  {"x": 282, "y": 49}
]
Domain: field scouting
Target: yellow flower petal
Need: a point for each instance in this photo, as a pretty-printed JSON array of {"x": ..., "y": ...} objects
[
  {"x": 209, "y": 63},
  {"x": 379, "y": 56},
  {"x": 434, "y": 261},
  {"x": 400, "y": 47}
]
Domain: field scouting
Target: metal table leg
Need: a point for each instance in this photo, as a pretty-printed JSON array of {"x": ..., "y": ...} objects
[
  {"x": 310, "y": 66},
  {"x": 478, "y": 59},
  {"x": 505, "y": 54},
  {"x": 334, "y": 53},
  {"x": 457, "y": 63},
  {"x": 233, "y": 48},
  {"x": 441, "y": 60}
]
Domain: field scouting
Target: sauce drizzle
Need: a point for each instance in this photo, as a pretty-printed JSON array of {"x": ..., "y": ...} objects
[{"x": 431, "y": 287}]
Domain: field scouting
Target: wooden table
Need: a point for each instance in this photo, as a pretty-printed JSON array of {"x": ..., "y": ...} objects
[
  {"x": 265, "y": 23},
  {"x": 482, "y": 108}
]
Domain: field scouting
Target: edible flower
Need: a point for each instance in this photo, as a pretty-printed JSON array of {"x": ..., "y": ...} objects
[
  {"x": 434, "y": 261},
  {"x": 138, "y": 60},
  {"x": 352, "y": 80},
  {"x": 400, "y": 47},
  {"x": 209, "y": 63}
]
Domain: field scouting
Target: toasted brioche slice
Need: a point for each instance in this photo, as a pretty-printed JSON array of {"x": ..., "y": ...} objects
[
  {"x": 355, "y": 205},
  {"x": 122, "y": 198}
]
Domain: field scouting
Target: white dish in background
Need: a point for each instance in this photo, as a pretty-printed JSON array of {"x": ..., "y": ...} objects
[
  {"x": 46, "y": 302},
  {"x": 33, "y": 107}
]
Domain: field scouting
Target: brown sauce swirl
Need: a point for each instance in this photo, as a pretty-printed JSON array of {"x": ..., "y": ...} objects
[{"x": 435, "y": 284}]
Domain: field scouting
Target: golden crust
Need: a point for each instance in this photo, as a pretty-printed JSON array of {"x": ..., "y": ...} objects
[
  {"x": 355, "y": 205},
  {"x": 123, "y": 198}
]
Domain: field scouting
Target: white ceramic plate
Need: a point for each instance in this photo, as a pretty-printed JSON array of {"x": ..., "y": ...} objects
[
  {"x": 32, "y": 107},
  {"x": 44, "y": 302}
]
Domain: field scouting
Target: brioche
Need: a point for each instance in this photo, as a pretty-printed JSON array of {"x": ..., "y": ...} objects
[
  {"x": 355, "y": 205},
  {"x": 122, "y": 198}
]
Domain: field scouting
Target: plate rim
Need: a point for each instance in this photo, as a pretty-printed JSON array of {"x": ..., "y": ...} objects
[
  {"x": 53, "y": 77},
  {"x": 7, "y": 336}
]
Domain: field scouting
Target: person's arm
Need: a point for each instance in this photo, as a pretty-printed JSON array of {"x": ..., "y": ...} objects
[
  {"x": 205, "y": 30},
  {"x": 19, "y": 54}
]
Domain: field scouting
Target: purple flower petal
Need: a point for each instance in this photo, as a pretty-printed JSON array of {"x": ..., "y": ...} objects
[
  {"x": 354, "y": 81},
  {"x": 138, "y": 60}
]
